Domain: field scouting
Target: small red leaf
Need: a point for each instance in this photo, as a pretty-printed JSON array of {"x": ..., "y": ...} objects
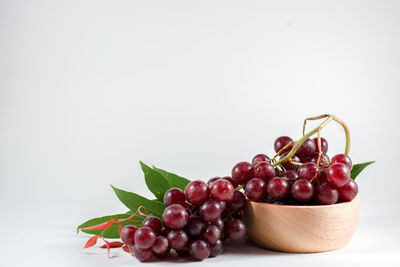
[
  {"x": 91, "y": 242},
  {"x": 119, "y": 228},
  {"x": 115, "y": 244},
  {"x": 101, "y": 226},
  {"x": 127, "y": 249}
]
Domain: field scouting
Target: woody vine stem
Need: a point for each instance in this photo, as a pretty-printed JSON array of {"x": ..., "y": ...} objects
[{"x": 296, "y": 144}]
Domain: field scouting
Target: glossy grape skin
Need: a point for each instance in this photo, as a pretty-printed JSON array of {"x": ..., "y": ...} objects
[
  {"x": 338, "y": 174},
  {"x": 302, "y": 190},
  {"x": 348, "y": 191},
  {"x": 145, "y": 237},
  {"x": 344, "y": 159},
  {"x": 212, "y": 180},
  {"x": 128, "y": 234},
  {"x": 326, "y": 194},
  {"x": 308, "y": 171},
  {"x": 235, "y": 229},
  {"x": 199, "y": 249},
  {"x": 281, "y": 142},
  {"x": 142, "y": 254},
  {"x": 210, "y": 211},
  {"x": 242, "y": 172},
  {"x": 263, "y": 170},
  {"x": 259, "y": 158},
  {"x": 222, "y": 190},
  {"x": 236, "y": 203},
  {"x": 161, "y": 245},
  {"x": 197, "y": 192},
  {"x": 306, "y": 149},
  {"x": 291, "y": 174},
  {"x": 174, "y": 196},
  {"x": 219, "y": 223},
  {"x": 324, "y": 145},
  {"x": 153, "y": 223},
  {"x": 184, "y": 252},
  {"x": 278, "y": 188},
  {"x": 212, "y": 234},
  {"x": 177, "y": 239},
  {"x": 175, "y": 216},
  {"x": 288, "y": 165},
  {"x": 231, "y": 180},
  {"x": 217, "y": 249},
  {"x": 324, "y": 161},
  {"x": 195, "y": 226},
  {"x": 255, "y": 189}
]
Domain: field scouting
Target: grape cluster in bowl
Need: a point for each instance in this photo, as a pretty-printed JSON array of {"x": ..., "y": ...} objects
[
  {"x": 310, "y": 178},
  {"x": 196, "y": 222}
]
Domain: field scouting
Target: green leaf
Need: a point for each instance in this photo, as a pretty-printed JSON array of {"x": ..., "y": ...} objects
[
  {"x": 133, "y": 201},
  {"x": 357, "y": 168},
  {"x": 173, "y": 179},
  {"x": 111, "y": 232},
  {"x": 155, "y": 181}
]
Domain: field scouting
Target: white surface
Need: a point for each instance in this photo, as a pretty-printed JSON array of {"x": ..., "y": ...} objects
[{"x": 88, "y": 88}]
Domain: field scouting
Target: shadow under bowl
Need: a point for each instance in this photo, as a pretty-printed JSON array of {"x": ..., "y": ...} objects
[{"x": 301, "y": 229}]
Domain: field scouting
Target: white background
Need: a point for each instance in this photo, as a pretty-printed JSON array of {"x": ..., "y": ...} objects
[{"x": 89, "y": 88}]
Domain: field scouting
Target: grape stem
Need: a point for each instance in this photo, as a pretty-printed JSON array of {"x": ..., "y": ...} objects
[{"x": 328, "y": 118}]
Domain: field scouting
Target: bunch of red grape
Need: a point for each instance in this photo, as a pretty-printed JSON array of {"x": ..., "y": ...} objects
[
  {"x": 317, "y": 181},
  {"x": 195, "y": 222}
]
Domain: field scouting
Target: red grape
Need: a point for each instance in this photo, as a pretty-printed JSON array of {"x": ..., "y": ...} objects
[
  {"x": 338, "y": 174},
  {"x": 278, "y": 188},
  {"x": 212, "y": 180},
  {"x": 145, "y": 237},
  {"x": 348, "y": 191},
  {"x": 161, "y": 245},
  {"x": 263, "y": 170},
  {"x": 255, "y": 189},
  {"x": 235, "y": 229},
  {"x": 236, "y": 203},
  {"x": 344, "y": 159},
  {"x": 222, "y": 190},
  {"x": 128, "y": 234},
  {"x": 287, "y": 165},
  {"x": 212, "y": 234},
  {"x": 210, "y": 211},
  {"x": 231, "y": 180},
  {"x": 306, "y": 149},
  {"x": 174, "y": 196},
  {"x": 326, "y": 194},
  {"x": 302, "y": 190},
  {"x": 197, "y": 192},
  {"x": 142, "y": 254},
  {"x": 217, "y": 249},
  {"x": 281, "y": 142},
  {"x": 199, "y": 249},
  {"x": 195, "y": 226},
  {"x": 259, "y": 158},
  {"x": 175, "y": 216},
  {"x": 324, "y": 145},
  {"x": 153, "y": 223},
  {"x": 177, "y": 239},
  {"x": 307, "y": 171},
  {"x": 242, "y": 172}
]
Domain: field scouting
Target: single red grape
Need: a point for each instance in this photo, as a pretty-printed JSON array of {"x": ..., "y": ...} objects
[
  {"x": 344, "y": 159},
  {"x": 174, "y": 196},
  {"x": 199, "y": 249},
  {"x": 278, "y": 188},
  {"x": 291, "y": 174},
  {"x": 259, "y": 158},
  {"x": 231, "y": 180},
  {"x": 128, "y": 234},
  {"x": 242, "y": 172},
  {"x": 222, "y": 190},
  {"x": 177, "y": 239},
  {"x": 153, "y": 223},
  {"x": 287, "y": 165},
  {"x": 281, "y": 142},
  {"x": 212, "y": 180},
  {"x": 175, "y": 216},
  {"x": 142, "y": 254},
  {"x": 306, "y": 149},
  {"x": 197, "y": 192},
  {"x": 236, "y": 203},
  {"x": 263, "y": 170},
  {"x": 302, "y": 190},
  {"x": 210, "y": 211},
  {"x": 255, "y": 189},
  {"x": 217, "y": 249},
  {"x": 195, "y": 226},
  {"x": 235, "y": 229},
  {"x": 219, "y": 223},
  {"x": 212, "y": 234},
  {"x": 338, "y": 174},
  {"x": 348, "y": 191},
  {"x": 308, "y": 171},
  {"x": 145, "y": 237},
  {"x": 161, "y": 245},
  {"x": 324, "y": 145},
  {"x": 326, "y": 194}
]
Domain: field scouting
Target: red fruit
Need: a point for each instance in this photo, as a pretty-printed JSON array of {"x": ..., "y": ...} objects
[
  {"x": 324, "y": 145},
  {"x": 153, "y": 223},
  {"x": 236, "y": 203},
  {"x": 255, "y": 189},
  {"x": 302, "y": 190},
  {"x": 142, "y": 254},
  {"x": 338, "y": 174},
  {"x": 326, "y": 194},
  {"x": 197, "y": 192},
  {"x": 281, "y": 142},
  {"x": 145, "y": 237},
  {"x": 128, "y": 234},
  {"x": 199, "y": 249},
  {"x": 278, "y": 188},
  {"x": 177, "y": 239},
  {"x": 349, "y": 191},
  {"x": 175, "y": 216},
  {"x": 263, "y": 170},
  {"x": 230, "y": 179},
  {"x": 222, "y": 190},
  {"x": 259, "y": 158},
  {"x": 210, "y": 211},
  {"x": 344, "y": 159},
  {"x": 306, "y": 149},
  {"x": 242, "y": 172},
  {"x": 174, "y": 196},
  {"x": 308, "y": 171}
]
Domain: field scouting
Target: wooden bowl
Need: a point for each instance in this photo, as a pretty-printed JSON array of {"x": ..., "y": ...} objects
[{"x": 301, "y": 228}]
